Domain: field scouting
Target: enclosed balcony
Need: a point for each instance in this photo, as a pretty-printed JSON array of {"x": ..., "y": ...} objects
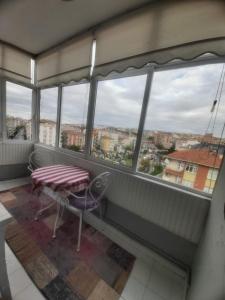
[{"x": 112, "y": 140}]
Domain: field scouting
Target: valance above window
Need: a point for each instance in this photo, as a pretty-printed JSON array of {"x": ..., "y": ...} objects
[
  {"x": 161, "y": 32},
  {"x": 15, "y": 64},
  {"x": 69, "y": 62}
]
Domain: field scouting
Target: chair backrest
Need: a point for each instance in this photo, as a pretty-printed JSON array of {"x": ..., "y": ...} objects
[
  {"x": 98, "y": 186},
  {"x": 34, "y": 161}
]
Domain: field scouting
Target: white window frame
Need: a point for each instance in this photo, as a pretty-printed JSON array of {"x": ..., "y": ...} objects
[
  {"x": 91, "y": 113},
  {"x": 82, "y": 154},
  {"x": 3, "y": 100}
]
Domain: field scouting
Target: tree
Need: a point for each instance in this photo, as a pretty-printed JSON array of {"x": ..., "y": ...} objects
[
  {"x": 171, "y": 149},
  {"x": 157, "y": 170},
  {"x": 74, "y": 147},
  {"x": 64, "y": 139},
  {"x": 144, "y": 165}
]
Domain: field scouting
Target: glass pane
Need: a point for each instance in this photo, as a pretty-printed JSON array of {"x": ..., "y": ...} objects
[
  {"x": 18, "y": 111},
  {"x": 118, "y": 108},
  {"x": 181, "y": 141},
  {"x": 74, "y": 117},
  {"x": 48, "y": 116}
]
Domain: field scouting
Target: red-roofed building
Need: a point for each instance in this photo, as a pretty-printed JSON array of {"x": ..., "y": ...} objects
[{"x": 195, "y": 168}]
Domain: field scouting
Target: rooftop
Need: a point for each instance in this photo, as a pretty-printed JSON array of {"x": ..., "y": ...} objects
[{"x": 198, "y": 156}]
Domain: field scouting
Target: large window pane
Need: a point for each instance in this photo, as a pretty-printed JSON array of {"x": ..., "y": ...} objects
[
  {"x": 182, "y": 137},
  {"x": 74, "y": 116},
  {"x": 118, "y": 108},
  {"x": 48, "y": 116},
  {"x": 18, "y": 111}
]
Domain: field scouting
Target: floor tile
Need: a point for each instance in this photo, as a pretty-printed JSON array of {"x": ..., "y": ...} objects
[
  {"x": 82, "y": 280},
  {"x": 12, "y": 265},
  {"x": 178, "y": 290},
  {"x": 150, "y": 295},
  {"x": 103, "y": 291},
  {"x": 4, "y": 214},
  {"x": 10, "y": 184},
  {"x": 141, "y": 271},
  {"x": 161, "y": 280},
  {"x": 134, "y": 290},
  {"x": 30, "y": 292},
  {"x": 18, "y": 280}
]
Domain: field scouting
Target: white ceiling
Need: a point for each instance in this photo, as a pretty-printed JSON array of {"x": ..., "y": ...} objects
[{"x": 36, "y": 25}]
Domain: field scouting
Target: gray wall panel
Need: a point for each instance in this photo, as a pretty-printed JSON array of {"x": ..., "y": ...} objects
[
  {"x": 152, "y": 236},
  {"x": 14, "y": 171},
  {"x": 179, "y": 212},
  {"x": 14, "y": 152}
]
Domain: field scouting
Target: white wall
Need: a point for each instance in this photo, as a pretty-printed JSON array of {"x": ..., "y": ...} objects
[{"x": 208, "y": 272}]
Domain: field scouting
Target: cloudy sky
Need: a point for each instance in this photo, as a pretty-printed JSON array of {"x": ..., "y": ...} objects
[
  {"x": 48, "y": 104},
  {"x": 180, "y": 101},
  {"x": 19, "y": 101},
  {"x": 75, "y": 104}
]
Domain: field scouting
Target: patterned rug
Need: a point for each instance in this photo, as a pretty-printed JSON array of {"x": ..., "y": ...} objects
[{"x": 98, "y": 272}]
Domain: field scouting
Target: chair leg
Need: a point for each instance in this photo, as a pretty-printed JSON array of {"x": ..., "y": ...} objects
[
  {"x": 56, "y": 220},
  {"x": 80, "y": 231},
  {"x": 60, "y": 216},
  {"x": 42, "y": 209}
]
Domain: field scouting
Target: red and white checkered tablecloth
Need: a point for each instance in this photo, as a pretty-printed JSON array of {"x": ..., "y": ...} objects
[{"x": 61, "y": 177}]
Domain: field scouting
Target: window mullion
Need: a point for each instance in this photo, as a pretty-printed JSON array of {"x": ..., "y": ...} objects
[
  {"x": 90, "y": 116},
  {"x": 37, "y": 114},
  {"x": 1, "y": 110},
  {"x": 3, "y": 107},
  {"x": 142, "y": 118},
  {"x": 58, "y": 122},
  {"x": 34, "y": 121}
]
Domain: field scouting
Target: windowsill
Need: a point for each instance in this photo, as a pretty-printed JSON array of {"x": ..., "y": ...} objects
[
  {"x": 9, "y": 141},
  {"x": 127, "y": 171}
]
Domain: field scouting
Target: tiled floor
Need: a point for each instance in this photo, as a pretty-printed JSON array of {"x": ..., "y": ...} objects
[
  {"x": 152, "y": 281},
  {"x": 22, "y": 288},
  {"x": 146, "y": 282},
  {"x": 9, "y": 184}
]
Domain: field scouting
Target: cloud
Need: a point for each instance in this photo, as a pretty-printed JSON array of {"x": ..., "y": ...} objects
[
  {"x": 48, "y": 104},
  {"x": 18, "y": 101},
  {"x": 119, "y": 102},
  {"x": 75, "y": 104},
  {"x": 180, "y": 101}
]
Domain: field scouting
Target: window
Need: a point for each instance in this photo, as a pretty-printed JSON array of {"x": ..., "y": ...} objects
[
  {"x": 18, "y": 111},
  {"x": 212, "y": 174},
  {"x": 208, "y": 190},
  {"x": 74, "y": 116},
  {"x": 191, "y": 168},
  {"x": 117, "y": 114},
  {"x": 183, "y": 134},
  {"x": 48, "y": 116}
]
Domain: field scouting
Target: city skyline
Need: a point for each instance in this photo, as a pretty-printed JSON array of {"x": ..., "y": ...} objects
[{"x": 166, "y": 112}]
